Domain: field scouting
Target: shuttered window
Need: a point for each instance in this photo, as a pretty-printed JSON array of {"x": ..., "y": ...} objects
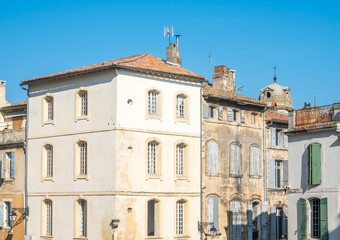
[
  {"x": 212, "y": 157},
  {"x": 255, "y": 161},
  {"x": 152, "y": 221},
  {"x": 213, "y": 212},
  {"x": 236, "y": 159},
  {"x": 314, "y": 155}
]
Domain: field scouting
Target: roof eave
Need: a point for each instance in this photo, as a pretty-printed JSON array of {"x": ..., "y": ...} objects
[{"x": 234, "y": 100}]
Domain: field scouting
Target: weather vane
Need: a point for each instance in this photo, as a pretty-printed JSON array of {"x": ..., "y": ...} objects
[
  {"x": 169, "y": 31},
  {"x": 275, "y": 78}
]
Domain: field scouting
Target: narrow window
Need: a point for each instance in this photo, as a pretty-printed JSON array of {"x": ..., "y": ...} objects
[
  {"x": 50, "y": 108},
  {"x": 213, "y": 212},
  {"x": 152, "y": 158},
  {"x": 180, "y": 106},
  {"x": 48, "y": 206},
  {"x": 152, "y": 103},
  {"x": 83, "y": 158},
  {"x": 82, "y": 218},
  {"x": 211, "y": 112},
  {"x": 179, "y": 160},
  {"x": 212, "y": 157},
  {"x": 315, "y": 218},
  {"x": 236, "y": 159},
  {"x": 49, "y": 161},
  {"x": 255, "y": 161},
  {"x": 7, "y": 208},
  {"x": 314, "y": 154},
  {"x": 236, "y": 220},
  {"x": 152, "y": 218},
  {"x": 234, "y": 115},
  {"x": 253, "y": 118},
  {"x": 83, "y": 103},
  {"x": 278, "y": 137},
  {"x": 179, "y": 218},
  {"x": 278, "y": 173}
]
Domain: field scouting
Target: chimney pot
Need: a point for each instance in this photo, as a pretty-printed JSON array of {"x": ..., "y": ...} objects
[
  {"x": 220, "y": 69},
  {"x": 224, "y": 78}
]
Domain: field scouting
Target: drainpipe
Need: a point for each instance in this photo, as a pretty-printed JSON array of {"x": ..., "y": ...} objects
[
  {"x": 25, "y": 152},
  {"x": 201, "y": 160},
  {"x": 265, "y": 155}
]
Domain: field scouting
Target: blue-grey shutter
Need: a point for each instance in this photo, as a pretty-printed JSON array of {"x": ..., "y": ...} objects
[
  {"x": 9, "y": 212},
  {"x": 285, "y": 172},
  {"x": 12, "y": 166},
  {"x": 1, "y": 214},
  {"x": 264, "y": 220},
  {"x": 279, "y": 138},
  {"x": 284, "y": 221},
  {"x": 273, "y": 223},
  {"x": 250, "y": 221},
  {"x": 233, "y": 159},
  {"x": 230, "y": 114},
  {"x": 3, "y": 165},
  {"x": 274, "y": 137},
  {"x": 285, "y": 138},
  {"x": 243, "y": 117},
  {"x": 212, "y": 157},
  {"x": 205, "y": 110},
  {"x": 272, "y": 174},
  {"x": 220, "y": 113},
  {"x": 215, "y": 209}
]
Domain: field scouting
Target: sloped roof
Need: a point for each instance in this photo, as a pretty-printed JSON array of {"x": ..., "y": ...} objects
[
  {"x": 208, "y": 90},
  {"x": 18, "y": 104},
  {"x": 143, "y": 61},
  {"x": 272, "y": 115}
]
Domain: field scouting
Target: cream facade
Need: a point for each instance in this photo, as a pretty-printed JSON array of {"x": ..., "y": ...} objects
[{"x": 118, "y": 143}]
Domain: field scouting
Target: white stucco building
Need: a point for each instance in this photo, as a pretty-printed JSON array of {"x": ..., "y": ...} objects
[
  {"x": 314, "y": 181},
  {"x": 115, "y": 140}
]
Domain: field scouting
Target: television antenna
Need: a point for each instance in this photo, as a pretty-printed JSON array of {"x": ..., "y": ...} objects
[
  {"x": 169, "y": 30},
  {"x": 239, "y": 89}
]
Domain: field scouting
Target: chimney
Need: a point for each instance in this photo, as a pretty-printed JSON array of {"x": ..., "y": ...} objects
[
  {"x": 172, "y": 54},
  {"x": 3, "y": 93},
  {"x": 224, "y": 78}
]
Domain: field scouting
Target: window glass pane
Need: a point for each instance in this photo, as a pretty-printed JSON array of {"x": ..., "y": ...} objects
[
  {"x": 48, "y": 217},
  {"x": 152, "y": 158},
  {"x": 180, "y": 106},
  {"x": 152, "y": 103},
  {"x": 83, "y": 106},
  {"x": 179, "y": 160},
  {"x": 82, "y": 218},
  {"x": 151, "y": 218},
  {"x": 49, "y": 102},
  {"x": 315, "y": 217},
  {"x": 83, "y": 158},
  {"x": 179, "y": 218},
  {"x": 49, "y": 161}
]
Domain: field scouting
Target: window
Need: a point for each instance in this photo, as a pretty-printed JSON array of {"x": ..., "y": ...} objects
[
  {"x": 8, "y": 165},
  {"x": 82, "y": 104},
  {"x": 212, "y": 157},
  {"x": 82, "y": 218},
  {"x": 180, "y": 159},
  {"x": 315, "y": 217},
  {"x": 278, "y": 173},
  {"x": 211, "y": 112},
  {"x": 180, "y": 217},
  {"x": 213, "y": 213},
  {"x": 278, "y": 223},
  {"x": 235, "y": 115},
  {"x": 83, "y": 101},
  {"x": 180, "y": 106},
  {"x": 236, "y": 220},
  {"x": 5, "y": 210},
  {"x": 81, "y": 159},
  {"x": 236, "y": 160},
  {"x": 48, "y": 217},
  {"x": 255, "y": 221},
  {"x": 50, "y": 108},
  {"x": 276, "y": 137},
  {"x": 152, "y": 102},
  {"x": 152, "y": 157},
  {"x": 314, "y": 157},
  {"x": 253, "y": 118},
  {"x": 232, "y": 115},
  {"x": 255, "y": 161},
  {"x": 49, "y": 160},
  {"x": 152, "y": 217}
]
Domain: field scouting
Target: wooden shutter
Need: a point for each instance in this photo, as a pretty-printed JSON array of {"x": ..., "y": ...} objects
[
  {"x": 215, "y": 213},
  {"x": 212, "y": 157},
  {"x": 205, "y": 110},
  {"x": 272, "y": 174},
  {"x": 3, "y": 165},
  {"x": 285, "y": 139},
  {"x": 243, "y": 117},
  {"x": 230, "y": 114},
  {"x": 273, "y": 223},
  {"x": 210, "y": 210},
  {"x": 239, "y": 160},
  {"x": 250, "y": 220},
  {"x": 314, "y": 151},
  {"x": 264, "y": 220},
  {"x": 1, "y": 214},
  {"x": 220, "y": 113},
  {"x": 256, "y": 158},
  {"x": 323, "y": 219},
  {"x": 284, "y": 221},
  {"x": 274, "y": 137},
  {"x": 17, "y": 122},
  {"x": 278, "y": 132},
  {"x": 285, "y": 172},
  {"x": 12, "y": 165},
  {"x": 302, "y": 218},
  {"x": 233, "y": 159}
]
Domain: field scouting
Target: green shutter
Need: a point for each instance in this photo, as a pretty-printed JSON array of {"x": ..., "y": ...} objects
[
  {"x": 314, "y": 152},
  {"x": 324, "y": 219},
  {"x": 302, "y": 218}
]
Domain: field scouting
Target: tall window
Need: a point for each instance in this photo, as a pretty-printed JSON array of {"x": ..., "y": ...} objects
[
  {"x": 276, "y": 137},
  {"x": 179, "y": 160},
  {"x": 314, "y": 155},
  {"x": 48, "y": 206},
  {"x": 83, "y": 103},
  {"x": 83, "y": 158},
  {"x": 82, "y": 218},
  {"x": 315, "y": 217},
  {"x": 236, "y": 220},
  {"x": 8, "y": 165},
  {"x": 49, "y": 160},
  {"x": 152, "y": 218},
  {"x": 152, "y": 102},
  {"x": 50, "y": 108},
  {"x": 236, "y": 160},
  {"x": 253, "y": 118},
  {"x": 213, "y": 211},
  {"x": 278, "y": 173},
  {"x": 179, "y": 217},
  {"x": 255, "y": 161},
  {"x": 152, "y": 157},
  {"x": 212, "y": 156},
  {"x": 180, "y": 106}
]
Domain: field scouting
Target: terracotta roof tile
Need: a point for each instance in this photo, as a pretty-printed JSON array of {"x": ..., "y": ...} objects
[
  {"x": 313, "y": 126},
  {"x": 15, "y": 104},
  {"x": 144, "y": 61},
  {"x": 209, "y": 90},
  {"x": 272, "y": 115}
]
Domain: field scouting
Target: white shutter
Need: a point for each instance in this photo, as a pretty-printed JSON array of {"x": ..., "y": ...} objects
[
  {"x": 233, "y": 159},
  {"x": 3, "y": 165},
  {"x": 272, "y": 174},
  {"x": 205, "y": 110},
  {"x": 285, "y": 172},
  {"x": 243, "y": 117},
  {"x": 285, "y": 139},
  {"x": 212, "y": 157},
  {"x": 230, "y": 114},
  {"x": 274, "y": 137},
  {"x": 220, "y": 113},
  {"x": 239, "y": 160}
]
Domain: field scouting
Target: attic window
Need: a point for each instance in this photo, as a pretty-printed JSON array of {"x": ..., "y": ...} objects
[{"x": 268, "y": 94}]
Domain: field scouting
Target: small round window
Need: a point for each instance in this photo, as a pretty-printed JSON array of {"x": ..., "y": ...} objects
[{"x": 268, "y": 94}]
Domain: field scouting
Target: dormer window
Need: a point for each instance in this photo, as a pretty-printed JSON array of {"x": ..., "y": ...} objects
[{"x": 268, "y": 95}]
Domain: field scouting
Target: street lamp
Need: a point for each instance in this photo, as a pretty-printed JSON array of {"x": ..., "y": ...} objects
[
  {"x": 12, "y": 217},
  {"x": 114, "y": 225},
  {"x": 212, "y": 231}
]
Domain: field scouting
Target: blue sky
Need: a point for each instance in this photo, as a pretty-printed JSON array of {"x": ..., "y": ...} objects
[{"x": 301, "y": 38}]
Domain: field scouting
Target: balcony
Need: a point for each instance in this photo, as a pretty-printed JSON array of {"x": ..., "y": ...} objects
[
  {"x": 314, "y": 115},
  {"x": 12, "y": 137}
]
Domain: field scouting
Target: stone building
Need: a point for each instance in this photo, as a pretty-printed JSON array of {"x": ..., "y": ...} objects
[
  {"x": 233, "y": 161},
  {"x": 12, "y": 177},
  {"x": 118, "y": 140},
  {"x": 314, "y": 194}
]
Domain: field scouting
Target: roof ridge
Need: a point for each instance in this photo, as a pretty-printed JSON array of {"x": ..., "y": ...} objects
[{"x": 145, "y": 55}]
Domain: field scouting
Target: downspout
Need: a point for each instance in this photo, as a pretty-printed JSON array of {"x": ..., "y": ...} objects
[
  {"x": 25, "y": 152},
  {"x": 201, "y": 160},
  {"x": 265, "y": 154}
]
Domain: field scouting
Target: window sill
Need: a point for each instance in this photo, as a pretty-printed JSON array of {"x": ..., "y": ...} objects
[
  {"x": 153, "y": 177},
  {"x": 49, "y": 122},
  {"x": 255, "y": 176},
  {"x": 82, "y": 177},
  {"x": 80, "y": 238},
  {"x": 46, "y": 237},
  {"x": 182, "y": 120},
  {"x": 236, "y": 175},
  {"x": 212, "y": 175},
  {"x": 181, "y": 178},
  {"x": 47, "y": 179},
  {"x": 155, "y": 117},
  {"x": 79, "y": 118},
  {"x": 182, "y": 237},
  {"x": 153, "y": 237},
  {"x": 8, "y": 180}
]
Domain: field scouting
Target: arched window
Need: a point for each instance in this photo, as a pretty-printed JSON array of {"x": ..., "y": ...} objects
[
  {"x": 236, "y": 159},
  {"x": 83, "y": 158},
  {"x": 152, "y": 157},
  {"x": 152, "y": 218},
  {"x": 314, "y": 158},
  {"x": 49, "y": 160},
  {"x": 212, "y": 155},
  {"x": 180, "y": 217},
  {"x": 152, "y": 102},
  {"x": 180, "y": 159},
  {"x": 213, "y": 212},
  {"x": 83, "y": 103},
  {"x": 48, "y": 108},
  {"x": 49, "y": 217},
  {"x": 82, "y": 218}
]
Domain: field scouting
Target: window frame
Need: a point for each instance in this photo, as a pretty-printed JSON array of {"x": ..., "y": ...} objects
[
  {"x": 156, "y": 218},
  {"x": 253, "y": 117},
  {"x": 180, "y": 221},
  {"x": 79, "y": 104},
  {"x": 46, "y": 119},
  {"x": 7, "y": 165},
  {"x": 252, "y": 171},
  {"x": 78, "y": 174},
  {"x": 211, "y": 112},
  {"x": 207, "y": 155},
  {"x": 158, "y": 107},
  {"x": 185, "y": 104},
  {"x": 212, "y": 218},
  {"x": 44, "y": 218},
  {"x": 158, "y": 157},
  {"x": 44, "y": 163},
  {"x": 238, "y": 159},
  {"x": 6, "y": 209},
  {"x": 278, "y": 179},
  {"x": 77, "y": 215},
  {"x": 313, "y": 223},
  {"x": 185, "y": 158}
]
